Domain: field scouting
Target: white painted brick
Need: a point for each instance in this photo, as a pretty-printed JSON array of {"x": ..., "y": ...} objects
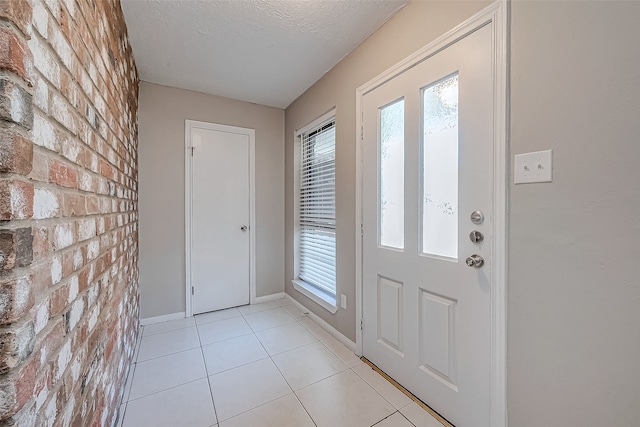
[
  {"x": 40, "y": 18},
  {"x": 73, "y": 289},
  {"x": 45, "y": 204},
  {"x": 43, "y": 133},
  {"x": 86, "y": 229},
  {"x": 42, "y": 317},
  {"x": 56, "y": 270},
  {"x": 63, "y": 236}
]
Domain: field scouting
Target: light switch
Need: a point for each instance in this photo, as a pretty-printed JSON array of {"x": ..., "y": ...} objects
[{"x": 533, "y": 167}]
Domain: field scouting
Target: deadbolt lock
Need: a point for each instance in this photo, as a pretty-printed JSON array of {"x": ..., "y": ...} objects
[{"x": 476, "y": 237}]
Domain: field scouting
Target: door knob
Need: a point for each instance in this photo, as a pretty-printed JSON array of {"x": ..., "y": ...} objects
[
  {"x": 475, "y": 261},
  {"x": 244, "y": 228}
]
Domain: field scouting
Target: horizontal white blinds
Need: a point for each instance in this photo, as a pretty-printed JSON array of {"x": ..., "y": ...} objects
[{"x": 317, "y": 203}]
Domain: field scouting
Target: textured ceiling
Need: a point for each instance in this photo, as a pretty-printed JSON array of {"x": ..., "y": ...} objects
[{"x": 263, "y": 51}]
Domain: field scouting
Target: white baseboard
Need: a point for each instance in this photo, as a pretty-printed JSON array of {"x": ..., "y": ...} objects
[
  {"x": 267, "y": 298},
  {"x": 327, "y": 327},
  {"x": 157, "y": 319}
]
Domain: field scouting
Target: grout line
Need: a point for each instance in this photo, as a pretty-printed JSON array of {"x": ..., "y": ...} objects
[
  {"x": 206, "y": 371},
  {"x": 413, "y": 397}
]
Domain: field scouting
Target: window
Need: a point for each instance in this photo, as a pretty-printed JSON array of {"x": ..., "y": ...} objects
[{"x": 316, "y": 212}]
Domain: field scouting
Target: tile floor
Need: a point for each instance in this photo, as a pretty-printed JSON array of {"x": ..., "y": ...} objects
[{"x": 260, "y": 365}]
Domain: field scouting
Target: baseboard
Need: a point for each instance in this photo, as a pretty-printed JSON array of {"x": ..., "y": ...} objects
[
  {"x": 327, "y": 327},
  {"x": 267, "y": 298},
  {"x": 157, "y": 319}
]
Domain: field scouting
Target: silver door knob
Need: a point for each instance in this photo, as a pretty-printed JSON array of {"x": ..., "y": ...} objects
[
  {"x": 475, "y": 261},
  {"x": 244, "y": 228}
]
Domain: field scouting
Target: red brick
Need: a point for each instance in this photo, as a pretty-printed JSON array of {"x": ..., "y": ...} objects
[
  {"x": 15, "y": 56},
  {"x": 16, "y": 153},
  {"x": 40, "y": 243},
  {"x": 16, "y": 298},
  {"x": 17, "y": 345},
  {"x": 91, "y": 205},
  {"x": 18, "y": 12},
  {"x": 16, "y": 248},
  {"x": 59, "y": 300},
  {"x": 16, "y": 199},
  {"x": 15, "y": 104},
  {"x": 63, "y": 174},
  {"x": 105, "y": 169},
  {"x": 73, "y": 205},
  {"x": 40, "y": 170}
]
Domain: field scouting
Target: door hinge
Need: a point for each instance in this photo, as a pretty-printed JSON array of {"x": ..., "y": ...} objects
[
  {"x": 192, "y": 290},
  {"x": 192, "y": 148},
  {"x": 361, "y": 133},
  {"x": 361, "y": 230},
  {"x": 362, "y": 324}
]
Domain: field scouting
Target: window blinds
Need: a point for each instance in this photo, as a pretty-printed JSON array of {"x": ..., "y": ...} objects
[{"x": 317, "y": 207}]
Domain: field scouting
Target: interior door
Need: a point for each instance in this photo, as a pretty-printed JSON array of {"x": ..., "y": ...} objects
[
  {"x": 220, "y": 213},
  {"x": 427, "y": 171}
]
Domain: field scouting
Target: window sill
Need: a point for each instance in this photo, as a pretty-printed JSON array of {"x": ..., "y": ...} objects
[{"x": 323, "y": 299}]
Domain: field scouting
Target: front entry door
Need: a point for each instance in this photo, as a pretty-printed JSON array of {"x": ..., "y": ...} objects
[
  {"x": 220, "y": 215},
  {"x": 427, "y": 171}
]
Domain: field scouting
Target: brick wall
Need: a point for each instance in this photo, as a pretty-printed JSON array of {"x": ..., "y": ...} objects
[{"x": 68, "y": 211}]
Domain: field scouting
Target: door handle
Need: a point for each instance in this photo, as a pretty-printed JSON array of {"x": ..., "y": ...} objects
[
  {"x": 475, "y": 261},
  {"x": 244, "y": 228}
]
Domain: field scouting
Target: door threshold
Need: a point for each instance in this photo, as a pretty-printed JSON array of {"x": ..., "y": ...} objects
[{"x": 410, "y": 395}]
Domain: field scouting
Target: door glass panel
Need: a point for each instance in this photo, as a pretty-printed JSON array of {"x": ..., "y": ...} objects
[
  {"x": 440, "y": 168},
  {"x": 391, "y": 197}
]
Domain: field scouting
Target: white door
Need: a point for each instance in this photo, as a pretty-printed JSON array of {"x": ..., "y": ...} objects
[
  {"x": 427, "y": 166},
  {"x": 220, "y": 217}
]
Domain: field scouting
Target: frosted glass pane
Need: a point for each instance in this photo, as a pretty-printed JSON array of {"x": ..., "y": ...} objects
[
  {"x": 392, "y": 175},
  {"x": 440, "y": 169}
]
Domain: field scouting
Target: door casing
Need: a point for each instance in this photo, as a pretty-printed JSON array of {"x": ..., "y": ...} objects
[
  {"x": 495, "y": 15},
  {"x": 189, "y": 126}
]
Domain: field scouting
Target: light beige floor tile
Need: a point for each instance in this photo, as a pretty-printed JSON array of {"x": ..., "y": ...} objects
[
  {"x": 169, "y": 325},
  {"x": 166, "y": 343},
  {"x": 283, "y": 338},
  {"x": 283, "y": 301},
  {"x": 340, "y": 350},
  {"x": 232, "y": 353},
  {"x": 293, "y": 311},
  {"x": 307, "y": 365},
  {"x": 387, "y": 390},
  {"x": 186, "y": 405},
  {"x": 213, "y": 316},
  {"x": 255, "y": 308},
  {"x": 419, "y": 416},
  {"x": 238, "y": 390},
  {"x": 316, "y": 330},
  {"x": 167, "y": 372},
  {"x": 268, "y": 319},
  {"x": 283, "y": 412},
  {"x": 223, "y": 330},
  {"x": 395, "y": 420},
  {"x": 344, "y": 400}
]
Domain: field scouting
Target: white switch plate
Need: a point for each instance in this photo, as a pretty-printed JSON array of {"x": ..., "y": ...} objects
[
  {"x": 343, "y": 301},
  {"x": 533, "y": 167}
]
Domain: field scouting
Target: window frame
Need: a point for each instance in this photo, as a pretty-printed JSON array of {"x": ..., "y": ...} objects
[{"x": 320, "y": 296}]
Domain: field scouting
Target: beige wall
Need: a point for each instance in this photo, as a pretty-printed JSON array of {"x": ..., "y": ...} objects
[
  {"x": 574, "y": 282},
  {"x": 162, "y": 113},
  {"x": 574, "y": 275},
  {"x": 412, "y": 28}
]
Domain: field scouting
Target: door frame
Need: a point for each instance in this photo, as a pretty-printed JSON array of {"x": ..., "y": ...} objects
[
  {"x": 496, "y": 15},
  {"x": 189, "y": 125}
]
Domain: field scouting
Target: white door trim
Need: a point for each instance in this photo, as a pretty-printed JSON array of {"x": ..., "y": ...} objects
[
  {"x": 189, "y": 125},
  {"x": 496, "y": 15}
]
